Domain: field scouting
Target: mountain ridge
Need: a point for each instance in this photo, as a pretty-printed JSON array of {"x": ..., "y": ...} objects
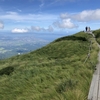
[{"x": 53, "y": 72}]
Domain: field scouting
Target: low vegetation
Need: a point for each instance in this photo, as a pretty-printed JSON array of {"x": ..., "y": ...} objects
[
  {"x": 54, "y": 72},
  {"x": 97, "y": 35}
]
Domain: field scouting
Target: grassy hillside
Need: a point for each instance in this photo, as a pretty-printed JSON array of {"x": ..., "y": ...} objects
[
  {"x": 97, "y": 35},
  {"x": 54, "y": 72}
]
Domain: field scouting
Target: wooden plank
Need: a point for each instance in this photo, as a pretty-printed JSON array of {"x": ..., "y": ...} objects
[
  {"x": 99, "y": 89},
  {"x": 99, "y": 78},
  {"x": 95, "y": 92},
  {"x": 90, "y": 95}
]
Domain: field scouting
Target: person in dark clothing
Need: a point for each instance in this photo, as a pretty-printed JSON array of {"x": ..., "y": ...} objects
[{"x": 86, "y": 28}]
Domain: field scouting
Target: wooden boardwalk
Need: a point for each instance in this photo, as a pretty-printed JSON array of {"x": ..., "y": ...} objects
[{"x": 94, "y": 92}]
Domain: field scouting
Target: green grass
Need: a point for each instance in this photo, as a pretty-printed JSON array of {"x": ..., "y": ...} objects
[
  {"x": 54, "y": 72},
  {"x": 97, "y": 35}
]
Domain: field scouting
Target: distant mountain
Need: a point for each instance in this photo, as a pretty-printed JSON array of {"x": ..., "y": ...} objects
[{"x": 54, "y": 72}]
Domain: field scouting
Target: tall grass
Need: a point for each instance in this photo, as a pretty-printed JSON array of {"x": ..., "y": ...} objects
[
  {"x": 54, "y": 72},
  {"x": 97, "y": 35}
]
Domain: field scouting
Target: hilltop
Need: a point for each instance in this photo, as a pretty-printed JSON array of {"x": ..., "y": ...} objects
[{"x": 54, "y": 72}]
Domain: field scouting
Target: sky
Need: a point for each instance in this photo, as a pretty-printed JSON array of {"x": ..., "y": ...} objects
[{"x": 48, "y": 16}]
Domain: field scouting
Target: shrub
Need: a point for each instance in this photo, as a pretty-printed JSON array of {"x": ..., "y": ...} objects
[
  {"x": 65, "y": 85},
  {"x": 71, "y": 38},
  {"x": 7, "y": 71}
]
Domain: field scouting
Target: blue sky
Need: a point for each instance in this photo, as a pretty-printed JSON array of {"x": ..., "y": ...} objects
[{"x": 52, "y": 16}]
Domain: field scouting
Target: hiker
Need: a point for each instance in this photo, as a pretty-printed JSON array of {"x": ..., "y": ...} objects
[
  {"x": 89, "y": 29},
  {"x": 86, "y": 28}
]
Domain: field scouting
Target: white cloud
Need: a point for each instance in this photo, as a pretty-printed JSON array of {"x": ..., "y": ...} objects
[
  {"x": 37, "y": 19},
  {"x": 89, "y": 15},
  {"x": 1, "y": 25},
  {"x": 65, "y": 23},
  {"x": 18, "y": 30},
  {"x": 84, "y": 16},
  {"x": 12, "y": 13},
  {"x": 53, "y": 2},
  {"x": 64, "y": 15},
  {"x": 50, "y": 29},
  {"x": 37, "y": 28},
  {"x": 14, "y": 16}
]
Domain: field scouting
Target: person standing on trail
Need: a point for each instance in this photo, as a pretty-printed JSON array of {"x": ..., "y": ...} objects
[
  {"x": 86, "y": 28},
  {"x": 89, "y": 29}
]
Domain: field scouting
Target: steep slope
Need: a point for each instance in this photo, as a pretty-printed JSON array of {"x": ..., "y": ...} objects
[
  {"x": 54, "y": 72},
  {"x": 97, "y": 35}
]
